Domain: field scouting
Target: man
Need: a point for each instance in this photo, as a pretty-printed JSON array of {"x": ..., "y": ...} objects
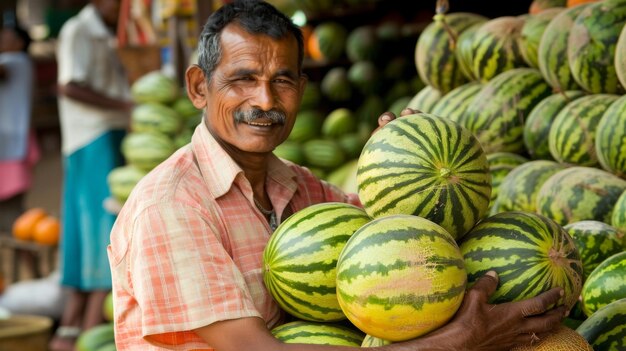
[
  {"x": 94, "y": 105},
  {"x": 186, "y": 249}
]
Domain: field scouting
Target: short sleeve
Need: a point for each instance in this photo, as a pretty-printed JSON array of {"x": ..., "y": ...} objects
[
  {"x": 182, "y": 276},
  {"x": 73, "y": 53}
]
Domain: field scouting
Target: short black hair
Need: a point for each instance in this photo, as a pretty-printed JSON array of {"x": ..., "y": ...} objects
[{"x": 254, "y": 16}]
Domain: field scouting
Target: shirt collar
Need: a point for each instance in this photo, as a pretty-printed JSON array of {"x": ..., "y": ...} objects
[{"x": 96, "y": 27}]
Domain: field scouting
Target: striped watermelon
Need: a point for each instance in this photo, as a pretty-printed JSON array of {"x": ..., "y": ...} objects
[
  {"x": 540, "y": 119},
  {"x": 552, "y": 53},
  {"x": 299, "y": 261},
  {"x": 497, "y": 113},
  {"x": 399, "y": 277},
  {"x": 372, "y": 341},
  {"x": 304, "y": 332},
  {"x": 596, "y": 241},
  {"x": 618, "y": 218},
  {"x": 495, "y": 48},
  {"x": 605, "y": 284},
  {"x": 579, "y": 193},
  {"x": 610, "y": 145},
  {"x": 323, "y": 153},
  {"x": 605, "y": 330},
  {"x": 428, "y": 166},
  {"x": 530, "y": 252},
  {"x": 572, "y": 136},
  {"x": 435, "y": 51},
  {"x": 329, "y": 39},
  {"x": 500, "y": 164},
  {"x": 518, "y": 191},
  {"x": 463, "y": 50},
  {"x": 620, "y": 57},
  {"x": 591, "y": 46},
  {"x": 425, "y": 99},
  {"x": 531, "y": 34},
  {"x": 152, "y": 117},
  {"x": 453, "y": 104},
  {"x": 146, "y": 150}
]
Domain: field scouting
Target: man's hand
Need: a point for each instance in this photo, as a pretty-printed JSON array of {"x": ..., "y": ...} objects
[{"x": 387, "y": 117}]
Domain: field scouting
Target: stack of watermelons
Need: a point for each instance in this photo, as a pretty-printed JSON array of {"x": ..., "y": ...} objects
[
  {"x": 162, "y": 120},
  {"x": 101, "y": 337}
]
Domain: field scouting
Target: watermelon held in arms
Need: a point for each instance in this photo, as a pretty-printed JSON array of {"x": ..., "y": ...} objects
[
  {"x": 305, "y": 332},
  {"x": 299, "y": 261},
  {"x": 399, "y": 277},
  {"x": 428, "y": 166},
  {"x": 531, "y": 254}
]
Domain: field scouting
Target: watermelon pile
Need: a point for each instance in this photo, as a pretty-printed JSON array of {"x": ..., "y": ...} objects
[{"x": 162, "y": 121}]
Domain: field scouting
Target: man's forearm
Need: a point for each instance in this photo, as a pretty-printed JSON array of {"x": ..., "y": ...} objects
[{"x": 91, "y": 97}]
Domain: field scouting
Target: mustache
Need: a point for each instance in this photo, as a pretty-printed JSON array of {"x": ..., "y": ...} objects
[{"x": 275, "y": 116}]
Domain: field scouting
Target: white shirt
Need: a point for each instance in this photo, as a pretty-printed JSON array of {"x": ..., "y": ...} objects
[
  {"x": 86, "y": 55},
  {"x": 15, "y": 105}
]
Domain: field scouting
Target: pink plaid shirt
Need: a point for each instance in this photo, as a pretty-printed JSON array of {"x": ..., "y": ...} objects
[{"x": 186, "y": 249}]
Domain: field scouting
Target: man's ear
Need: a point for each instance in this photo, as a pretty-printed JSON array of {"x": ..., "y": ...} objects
[{"x": 196, "y": 86}]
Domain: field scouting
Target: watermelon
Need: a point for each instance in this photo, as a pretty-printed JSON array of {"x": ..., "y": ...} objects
[
  {"x": 323, "y": 153},
  {"x": 155, "y": 117},
  {"x": 185, "y": 108},
  {"x": 121, "y": 181},
  {"x": 399, "y": 277},
  {"x": 362, "y": 44},
  {"x": 425, "y": 99},
  {"x": 531, "y": 254},
  {"x": 303, "y": 332},
  {"x": 552, "y": 53},
  {"x": 605, "y": 330},
  {"x": 146, "y": 150},
  {"x": 518, "y": 190},
  {"x": 311, "y": 97},
  {"x": 591, "y": 46},
  {"x": 497, "y": 113},
  {"x": 596, "y": 241},
  {"x": 572, "y": 136},
  {"x": 372, "y": 341},
  {"x": 495, "y": 48},
  {"x": 579, "y": 193},
  {"x": 435, "y": 51},
  {"x": 428, "y": 166},
  {"x": 540, "y": 119},
  {"x": 330, "y": 39},
  {"x": 156, "y": 87},
  {"x": 500, "y": 164},
  {"x": 291, "y": 151},
  {"x": 107, "y": 307},
  {"x": 453, "y": 104},
  {"x": 605, "y": 284},
  {"x": 531, "y": 34},
  {"x": 308, "y": 125},
  {"x": 338, "y": 122},
  {"x": 610, "y": 144},
  {"x": 364, "y": 76},
  {"x": 300, "y": 258},
  {"x": 94, "y": 338},
  {"x": 336, "y": 86},
  {"x": 463, "y": 52},
  {"x": 618, "y": 218},
  {"x": 368, "y": 112},
  {"x": 620, "y": 58}
]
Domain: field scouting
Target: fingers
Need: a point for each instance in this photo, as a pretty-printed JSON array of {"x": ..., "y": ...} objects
[
  {"x": 540, "y": 303},
  {"x": 486, "y": 284},
  {"x": 386, "y": 118},
  {"x": 408, "y": 111},
  {"x": 543, "y": 323}
]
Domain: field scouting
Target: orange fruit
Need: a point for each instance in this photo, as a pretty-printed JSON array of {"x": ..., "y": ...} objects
[
  {"x": 314, "y": 48},
  {"x": 47, "y": 231},
  {"x": 307, "y": 30},
  {"x": 572, "y": 3},
  {"x": 24, "y": 225}
]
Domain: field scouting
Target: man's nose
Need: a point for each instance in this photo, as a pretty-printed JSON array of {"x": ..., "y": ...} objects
[{"x": 264, "y": 96}]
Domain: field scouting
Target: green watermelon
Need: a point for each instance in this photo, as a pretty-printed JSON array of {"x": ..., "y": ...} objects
[
  {"x": 364, "y": 76},
  {"x": 323, "y": 153},
  {"x": 369, "y": 111},
  {"x": 579, "y": 193},
  {"x": 531, "y": 34},
  {"x": 495, "y": 48},
  {"x": 336, "y": 86},
  {"x": 572, "y": 136},
  {"x": 331, "y": 39},
  {"x": 540, "y": 119},
  {"x": 146, "y": 150},
  {"x": 463, "y": 52},
  {"x": 156, "y": 87},
  {"x": 425, "y": 99},
  {"x": 428, "y": 166},
  {"x": 596, "y": 241},
  {"x": 311, "y": 97},
  {"x": 339, "y": 122},
  {"x": 107, "y": 307},
  {"x": 363, "y": 44},
  {"x": 591, "y": 46},
  {"x": 155, "y": 117},
  {"x": 301, "y": 332},
  {"x": 185, "y": 108},
  {"x": 552, "y": 52},
  {"x": 618, "y": 218},
  {"x": 500, "y": 164},
  {"x": 435, "y": 51},
  {"x": 605, "y": 284},
  {"x": 610, "y": 142},
  {"x": 300, "y": 258},
  {"x": 399, "y": 277},
  {"x": 518, "y": 190},
  {"x": 291, "y": 151},
  {"x": 605, "y": 330},
  {"x": 94, "y": 338},
  {"x": 531, "y": 254},
  {"x": 497, "y": 113},
  {"x": 372, "y": 341},
  {"x": 121, "y": 181},
  {"x": 308, "y": 125},
  {"x": 453, "y": 104},
  {"x": 620, "y": 58}
]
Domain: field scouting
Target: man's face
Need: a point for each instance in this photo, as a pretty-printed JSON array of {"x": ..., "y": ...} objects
[{"x": 254, "y": 94}]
